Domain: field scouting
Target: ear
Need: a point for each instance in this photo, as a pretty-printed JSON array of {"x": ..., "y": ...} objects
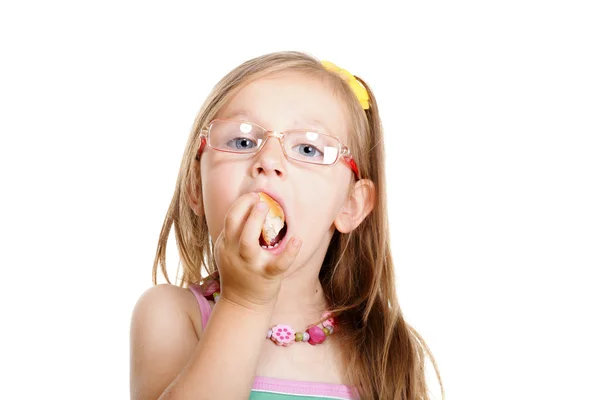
[
  {"x": 193, "y": 194},
  {"x": 358, "y": 205}
]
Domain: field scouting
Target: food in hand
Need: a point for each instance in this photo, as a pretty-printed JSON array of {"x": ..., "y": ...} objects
[{"x": 273, "y": 227}]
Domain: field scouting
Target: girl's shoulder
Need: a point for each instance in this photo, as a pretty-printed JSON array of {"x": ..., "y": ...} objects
[
  {"x": 165, "y": 327},
  {"x": 160, "y": 301}
]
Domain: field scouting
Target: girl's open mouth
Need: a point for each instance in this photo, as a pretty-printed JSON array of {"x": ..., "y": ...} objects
[{"x": 276, "y": 241}]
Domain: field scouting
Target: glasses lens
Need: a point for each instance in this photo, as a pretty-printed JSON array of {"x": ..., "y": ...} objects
[
  {"x": 235, "y": 136},
  {"x": 312, "y": 147}
]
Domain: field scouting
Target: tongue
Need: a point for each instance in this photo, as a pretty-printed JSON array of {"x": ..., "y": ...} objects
[{"x": 277, "y": 238}]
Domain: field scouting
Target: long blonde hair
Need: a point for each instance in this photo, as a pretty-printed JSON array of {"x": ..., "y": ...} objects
[{"x": 385, "y": 355}]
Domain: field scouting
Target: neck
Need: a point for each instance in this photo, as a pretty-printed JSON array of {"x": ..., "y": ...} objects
[{"x": 301, "y": 300}]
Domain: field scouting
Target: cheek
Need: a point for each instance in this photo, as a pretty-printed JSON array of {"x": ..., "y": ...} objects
[
  {"x": 319, "y": 202},
  {"x": 219, "y": 192}
]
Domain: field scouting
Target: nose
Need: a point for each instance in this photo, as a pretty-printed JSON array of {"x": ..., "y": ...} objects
[{"x": 270, "y": 159}]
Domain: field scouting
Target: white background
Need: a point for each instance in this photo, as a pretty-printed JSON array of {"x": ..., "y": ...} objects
[{"x": 491, "y": 116}]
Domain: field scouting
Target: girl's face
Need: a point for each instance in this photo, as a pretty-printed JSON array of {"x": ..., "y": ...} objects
[{"x": 310, "y": 195}]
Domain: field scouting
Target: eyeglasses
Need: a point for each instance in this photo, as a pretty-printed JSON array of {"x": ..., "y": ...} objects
[{"x": 240, "y": 137}]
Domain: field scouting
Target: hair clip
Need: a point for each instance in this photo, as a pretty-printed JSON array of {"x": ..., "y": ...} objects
[{"x": 359, "y": 90}]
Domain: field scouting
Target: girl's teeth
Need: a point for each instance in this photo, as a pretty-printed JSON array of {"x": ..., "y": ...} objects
[{"x": 271, "y": 247}]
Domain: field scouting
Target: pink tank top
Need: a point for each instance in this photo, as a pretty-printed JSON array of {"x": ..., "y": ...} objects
[{"x": 273, "y": 388}]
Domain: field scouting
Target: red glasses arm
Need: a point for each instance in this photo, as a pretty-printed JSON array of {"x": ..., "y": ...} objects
[{"x": 352, "y": 164}]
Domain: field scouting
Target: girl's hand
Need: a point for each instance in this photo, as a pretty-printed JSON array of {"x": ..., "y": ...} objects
[{"x": 250, "y": 275}]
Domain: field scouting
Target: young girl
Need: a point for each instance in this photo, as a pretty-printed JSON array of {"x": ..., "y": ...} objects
[{"x": 314, "y": 313}]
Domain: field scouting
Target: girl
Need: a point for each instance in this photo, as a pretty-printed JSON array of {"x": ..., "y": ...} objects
[{"x": 308, "y": 134}]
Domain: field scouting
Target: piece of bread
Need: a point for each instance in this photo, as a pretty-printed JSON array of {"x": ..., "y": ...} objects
[{"x": 274, "y": 221}]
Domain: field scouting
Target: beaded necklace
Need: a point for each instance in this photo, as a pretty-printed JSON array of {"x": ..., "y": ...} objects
[{"x": 280, "y": 334}]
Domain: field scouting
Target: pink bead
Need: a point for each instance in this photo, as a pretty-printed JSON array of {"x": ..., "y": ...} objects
[
  {"x": 329, "y": 321},
  {"x": 210, "y": 287},
  {"x": 283, "y": 335},
  {"x": 317, "y": 336}
]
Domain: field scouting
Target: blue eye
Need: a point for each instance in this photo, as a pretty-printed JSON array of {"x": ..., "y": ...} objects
[
  {"x": 308, "y": 150},
  {"x": 242, "y": 143}
]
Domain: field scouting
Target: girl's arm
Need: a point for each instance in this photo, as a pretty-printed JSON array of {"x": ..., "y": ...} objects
[{"x": 169, "y": 362}]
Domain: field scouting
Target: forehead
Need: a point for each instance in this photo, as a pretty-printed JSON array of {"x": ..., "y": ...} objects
[{"x": 289, "y": 100}]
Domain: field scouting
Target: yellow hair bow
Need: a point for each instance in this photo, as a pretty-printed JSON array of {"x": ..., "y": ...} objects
[{"x": 357, "y": 87}]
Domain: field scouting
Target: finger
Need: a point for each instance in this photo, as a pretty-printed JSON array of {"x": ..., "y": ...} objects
[
  {"x": 249, "y": 244},
  {"x": 284, "y": 260},
  {"x": 237, "y": 215},
  {"x": 218, "y": 245}
]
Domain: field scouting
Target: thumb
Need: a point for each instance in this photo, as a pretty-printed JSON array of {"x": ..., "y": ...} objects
[{"x": 285, "y": 259}]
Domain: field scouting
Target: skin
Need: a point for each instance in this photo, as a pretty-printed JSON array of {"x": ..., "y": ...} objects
[
  {"x": 279, "y": 103},
  {"x": 259, "y": 289}
]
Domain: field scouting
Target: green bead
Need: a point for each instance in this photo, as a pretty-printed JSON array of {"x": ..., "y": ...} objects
[
  {"x": 326, "y": 330},
  {"x": 298, "y": 336}
]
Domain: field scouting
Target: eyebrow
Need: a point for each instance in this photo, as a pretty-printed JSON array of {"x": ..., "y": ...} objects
[{"x": 298, "y": 123}]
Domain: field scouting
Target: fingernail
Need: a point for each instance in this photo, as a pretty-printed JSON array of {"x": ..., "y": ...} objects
[
  {"x": 296, "y": 242},
  {"x": 261, "y": 206}
]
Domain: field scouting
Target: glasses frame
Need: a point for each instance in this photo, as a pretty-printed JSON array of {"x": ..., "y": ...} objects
[{"x": 343, "y": 150}]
